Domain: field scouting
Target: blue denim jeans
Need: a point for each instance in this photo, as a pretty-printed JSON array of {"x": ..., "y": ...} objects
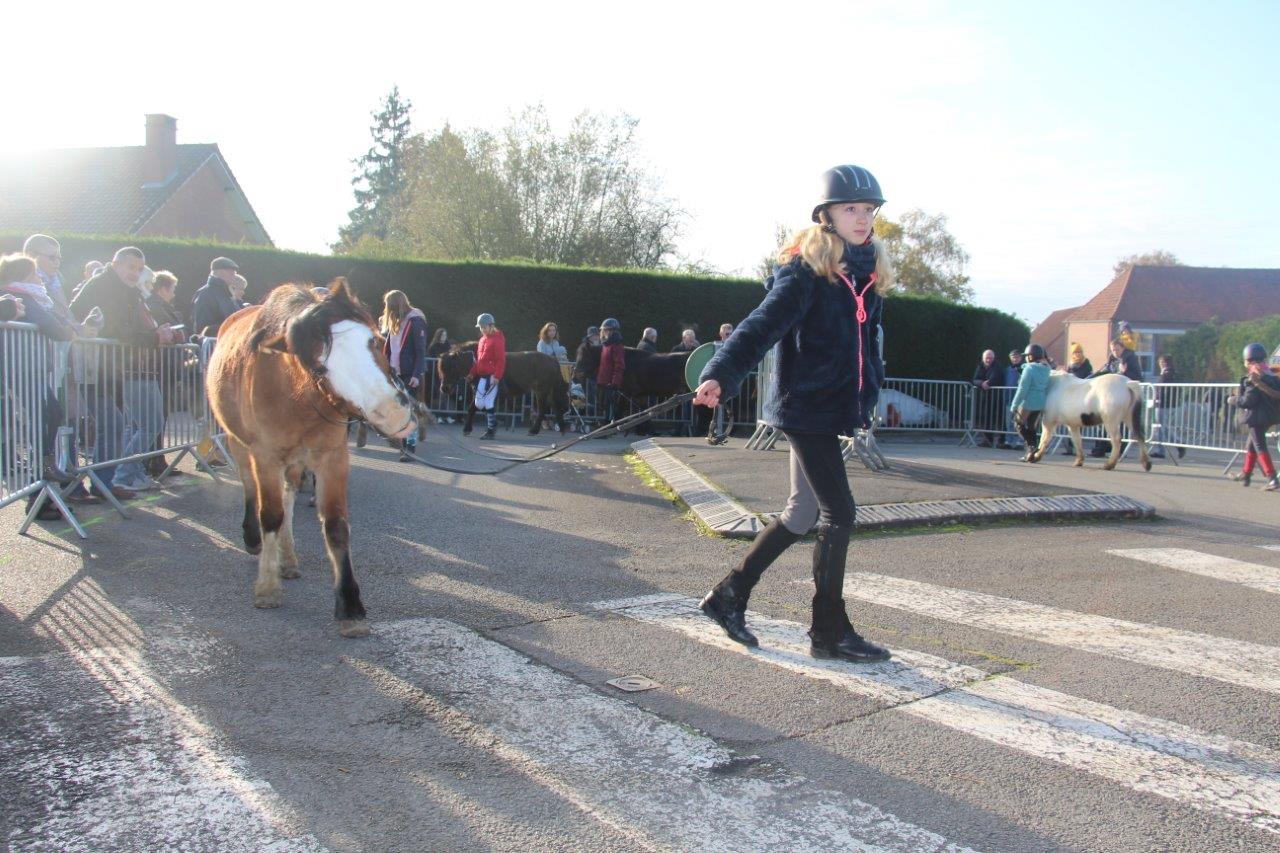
[{"x": 144, "y": 421}]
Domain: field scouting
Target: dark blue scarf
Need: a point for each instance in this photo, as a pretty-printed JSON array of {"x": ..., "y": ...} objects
[{"x": 859, "y": 261}]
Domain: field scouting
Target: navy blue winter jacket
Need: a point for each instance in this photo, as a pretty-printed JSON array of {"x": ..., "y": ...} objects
[{"x": 828, "y": 369}]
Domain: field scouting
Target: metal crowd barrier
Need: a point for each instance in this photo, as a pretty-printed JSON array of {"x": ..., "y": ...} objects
[
  {"x": 98, "y": 409},
  {"x": 26, "y": 385},
  {"x": 95, "y": 410}
]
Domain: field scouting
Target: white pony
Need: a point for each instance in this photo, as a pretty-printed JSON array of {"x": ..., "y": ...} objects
[{"x": 1110, "y": 400}]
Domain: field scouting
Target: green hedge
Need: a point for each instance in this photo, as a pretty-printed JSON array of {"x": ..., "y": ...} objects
[
  {"x": 1211, "y": 352},
  {"x": 927, "y": 338}
]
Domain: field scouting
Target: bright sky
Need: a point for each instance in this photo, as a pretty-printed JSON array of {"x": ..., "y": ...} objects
[{"x": 1056, "y": 137}]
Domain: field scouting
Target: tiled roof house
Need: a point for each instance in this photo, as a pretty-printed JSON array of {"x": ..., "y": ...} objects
[
  {"x": 1163, "y": 302},
  {"x": 158, "y": 189},
  {"x": 1052, "y": 334}
]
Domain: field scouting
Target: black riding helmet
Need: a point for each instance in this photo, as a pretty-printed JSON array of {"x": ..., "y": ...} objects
[
  {"x": 1255, "y": 352},
  {"x": 848, "y": 183},
  {"x": 1034, "y": 352}
]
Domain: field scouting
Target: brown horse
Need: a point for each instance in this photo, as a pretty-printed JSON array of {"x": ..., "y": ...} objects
[{"x": 283, "y": 380}]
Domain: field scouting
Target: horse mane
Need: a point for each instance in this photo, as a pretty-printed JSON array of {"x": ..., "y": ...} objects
[{"x": 294, "y": 317}]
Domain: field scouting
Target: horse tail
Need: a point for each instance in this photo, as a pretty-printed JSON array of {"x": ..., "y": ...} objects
[{"x": 1135, "y": 413}]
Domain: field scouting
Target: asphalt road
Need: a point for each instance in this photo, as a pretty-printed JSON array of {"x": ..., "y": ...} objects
[{"x": 1106, "y": 687}]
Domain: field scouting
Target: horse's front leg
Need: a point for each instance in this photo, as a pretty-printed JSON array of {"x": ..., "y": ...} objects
[
  {"x": 331, "y": 486},
  {"x": 252, "y": 530},
  {"x": 471, "y": 415},
  {"x": 288, "y": 556},
  {"x": 536, "y": 426},
  {"x": 269, "y": 476},
  {"x": 1077, "y": 441}
]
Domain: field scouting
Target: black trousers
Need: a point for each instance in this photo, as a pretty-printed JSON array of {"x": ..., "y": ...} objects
[
  {"x": 823, "y": 467},
  {"x": 1028, "y": 422}
]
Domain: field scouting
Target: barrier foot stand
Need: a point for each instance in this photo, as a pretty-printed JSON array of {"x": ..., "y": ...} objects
[
  {"x": 105, "y": 491},
  {"x": 202, "y": 463},
  {"x": 174, "y": 464},
  {"x": 772, "y": 438},
  {"x": 226, "y": 454},
  {"x": 50, "y": 492},
  {"x": 1231, "y": 463},
  {"x": 873, "y": 447},
  {"x": 968, "y": 438},
  {"x": 846, "y": 449}
]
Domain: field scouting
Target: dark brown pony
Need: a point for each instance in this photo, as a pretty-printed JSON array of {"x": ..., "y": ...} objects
[
  {"x": 526, "y": 372},
  {"x": 283, "y": 380}
]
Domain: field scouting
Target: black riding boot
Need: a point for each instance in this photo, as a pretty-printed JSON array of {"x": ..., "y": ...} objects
[
  {"x": 831, "y": 635},
  {"x": 727, "y": 603}
]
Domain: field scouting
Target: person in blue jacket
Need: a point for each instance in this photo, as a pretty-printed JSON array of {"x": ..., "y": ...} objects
[
  {"x": 1030, "y": 397},
  {"x": 822, "y": 310}
]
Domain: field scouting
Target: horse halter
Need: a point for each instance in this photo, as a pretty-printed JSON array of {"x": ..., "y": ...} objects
[{"x": 351, "y": 413}]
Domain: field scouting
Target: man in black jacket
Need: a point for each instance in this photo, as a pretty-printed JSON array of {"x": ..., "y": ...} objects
[
  {"x": 126, "y": 378},
  {"x": 214, "y": 302},
  {"x": 1125, "y": 362},
  {"x": 988, "y": 414}
]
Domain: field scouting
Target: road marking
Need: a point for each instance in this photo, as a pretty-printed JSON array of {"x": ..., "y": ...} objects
[
  {"x": 145, "y": 772},
  {"x": 658, "y": 783},
  {"x": 1265, "y": 578},
  {"x": 1233, "y": 661},
  {"x": 1230, "y": 778}
]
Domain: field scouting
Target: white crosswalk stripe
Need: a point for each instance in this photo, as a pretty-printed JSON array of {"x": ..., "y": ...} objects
[
  {"x": 1232, "y": 661},
  {"x": 657, "y": 783},
  {"x": 1227, "y": 777},
  {"x": 1265, "y": 578},
  {"x": 148, "y": 773}
]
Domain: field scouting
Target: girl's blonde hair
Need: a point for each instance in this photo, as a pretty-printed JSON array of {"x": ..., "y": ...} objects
[
  {"x": 822, "y": 250},
  {"x": 395, "y": 306},
  {"x": 544, "y": 334}
]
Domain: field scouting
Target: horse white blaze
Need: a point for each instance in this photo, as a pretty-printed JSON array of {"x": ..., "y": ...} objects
[{"x": 356, "y": 376}]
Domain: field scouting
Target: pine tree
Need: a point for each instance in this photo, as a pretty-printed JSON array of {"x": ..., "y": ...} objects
[{"x": 382, "y": 173}]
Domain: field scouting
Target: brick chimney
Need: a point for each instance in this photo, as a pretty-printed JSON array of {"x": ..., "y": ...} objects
[{"x": 161, "y": 157}]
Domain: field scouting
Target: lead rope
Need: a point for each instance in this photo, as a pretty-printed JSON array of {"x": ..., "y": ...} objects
[
  {"x": 620, "y": 425},
  {"x": 861, "y": 315}
]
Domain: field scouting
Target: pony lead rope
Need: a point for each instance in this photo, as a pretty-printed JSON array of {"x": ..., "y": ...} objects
[{"x": 616, "y": 426}]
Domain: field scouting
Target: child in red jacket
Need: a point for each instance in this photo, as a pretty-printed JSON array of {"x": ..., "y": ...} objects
[
  {"x": 491, "y": 363},
  {"x": 613, "y": 360}
]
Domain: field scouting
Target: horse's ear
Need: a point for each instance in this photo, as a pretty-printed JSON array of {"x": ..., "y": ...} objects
[{"x": 340, "y": 291}]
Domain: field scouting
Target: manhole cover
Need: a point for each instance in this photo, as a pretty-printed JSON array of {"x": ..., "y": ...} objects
[{"x": 633, "y": 683}]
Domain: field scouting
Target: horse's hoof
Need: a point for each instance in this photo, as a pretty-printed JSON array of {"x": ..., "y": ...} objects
[
  {"x": 353, "y": 628},
  {"x": 255, "y": 550},
  {"x": 1107, "y": 466},
  {"x": 266, "y": 601},
  {"x": 1079, "y": 463},
  {"x": 1146, "y": 464},
  {"x": 290, "y": 572}
]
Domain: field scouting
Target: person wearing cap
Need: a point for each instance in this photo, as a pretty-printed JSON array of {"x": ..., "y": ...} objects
[
  {"x": 486, "y": 373},
  {"x": 822, "y": 311},
  {"x": 613, "y": 362},
  {"x": 1012, "y": 374},
  {"x": 214, "y": 302},
  {"x": 1257, "y": 402},
  {"x": 1029, "y": 399}
]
